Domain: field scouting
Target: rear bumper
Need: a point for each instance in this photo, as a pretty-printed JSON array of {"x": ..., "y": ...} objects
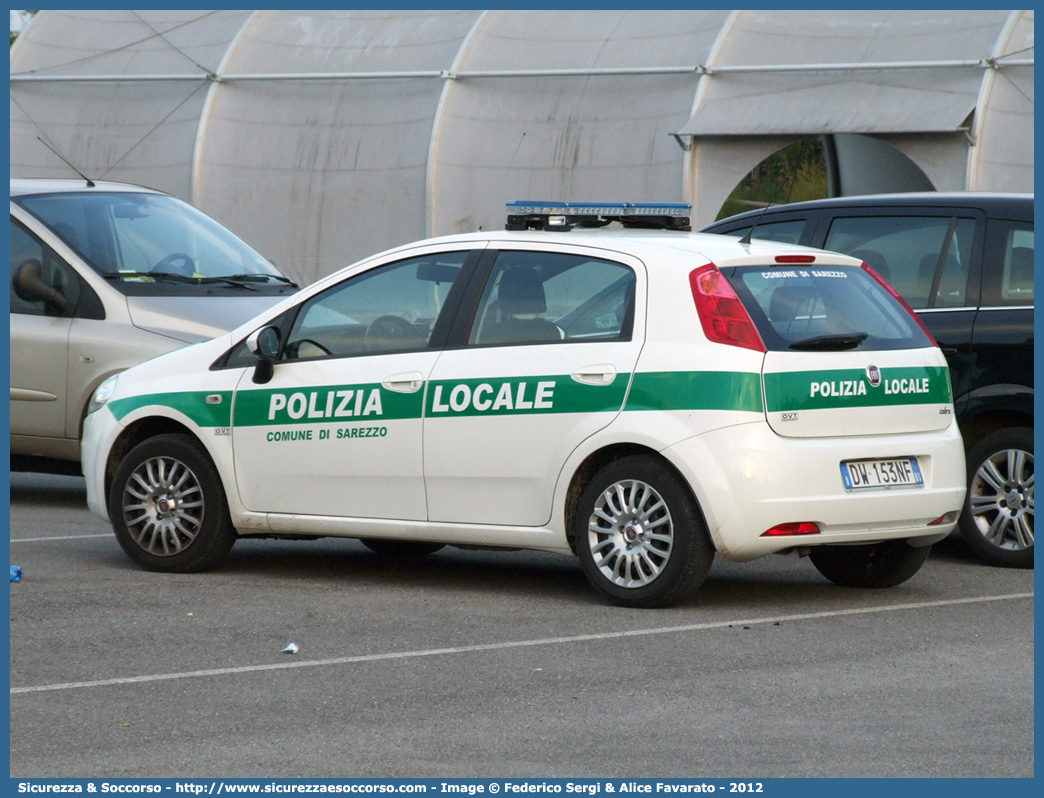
[{"x": 748, "y": 479}]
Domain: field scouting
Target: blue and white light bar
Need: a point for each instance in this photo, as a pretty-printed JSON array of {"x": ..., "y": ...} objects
[
  {"x": 532, "y": 214},
  {"x": 600, "y": 208}
]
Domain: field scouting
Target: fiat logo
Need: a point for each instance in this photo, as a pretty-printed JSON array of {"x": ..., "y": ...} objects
[{"x": 873, "y": 373}]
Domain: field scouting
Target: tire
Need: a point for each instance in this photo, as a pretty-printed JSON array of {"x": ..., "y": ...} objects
[
  {"x": 168, "y": 506},
  {"x": 640, "y": 535},
  {"x": 997, "y": 519},
  {"x": 400, "y": 549},
  {"x": 885, "y": 564}
]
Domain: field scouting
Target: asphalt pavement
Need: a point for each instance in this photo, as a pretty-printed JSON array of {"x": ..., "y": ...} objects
[{"x": 482, "y": 663}]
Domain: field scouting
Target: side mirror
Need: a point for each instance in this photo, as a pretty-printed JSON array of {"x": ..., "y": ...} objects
[
  {"x": 264, "y": 343},
  {"x": 29, "y": 286}
]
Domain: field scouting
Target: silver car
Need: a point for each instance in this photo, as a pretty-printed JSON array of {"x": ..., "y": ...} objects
[{"x": 105, "y": 276}]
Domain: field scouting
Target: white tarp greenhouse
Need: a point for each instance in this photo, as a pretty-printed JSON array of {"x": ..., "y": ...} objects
[{"x": 325, "y": 136}]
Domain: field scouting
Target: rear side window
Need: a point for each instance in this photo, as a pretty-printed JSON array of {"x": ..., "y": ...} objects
[
  {"x": 831, "y": 308},
  {"x": 552, "y": 298},
  {"x": 925, "y": 258},
  {"x": 1008, "y": 274}
]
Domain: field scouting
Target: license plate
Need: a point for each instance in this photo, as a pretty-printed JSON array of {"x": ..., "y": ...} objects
[{"x": 902, "y": 472}]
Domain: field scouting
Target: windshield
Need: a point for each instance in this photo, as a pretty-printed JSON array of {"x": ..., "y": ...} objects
[
  {"x": 152, "y": 243},
  {"x": 830, "y": 308}
]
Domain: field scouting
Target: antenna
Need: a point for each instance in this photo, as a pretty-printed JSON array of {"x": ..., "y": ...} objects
[
  {"x": 793, "y": 180},
  {"x": 90, "y": 183}
]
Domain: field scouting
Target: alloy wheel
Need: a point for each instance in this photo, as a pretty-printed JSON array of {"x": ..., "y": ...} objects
[
  {"x": 163, "y": 506},
  {"x": 630, "y": 533}
]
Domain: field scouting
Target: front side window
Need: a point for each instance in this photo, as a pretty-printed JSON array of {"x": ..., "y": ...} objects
[
  {"x": 925, "y": 258},
  {"x": 545, "y": 298},
  {"x": 42, "y": 284},
  {"x": 391, "y": 308},
  {"x": 1008, "y": 276},
  {"x": 153, "y": 244}
]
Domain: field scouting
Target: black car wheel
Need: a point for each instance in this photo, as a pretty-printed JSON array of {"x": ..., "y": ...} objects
[{"x": 885, "y": 564}]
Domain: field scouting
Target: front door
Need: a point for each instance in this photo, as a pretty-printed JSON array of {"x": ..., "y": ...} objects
[
  {"x": 337, "y": 430},
  {"x": 39, "y": 336}
]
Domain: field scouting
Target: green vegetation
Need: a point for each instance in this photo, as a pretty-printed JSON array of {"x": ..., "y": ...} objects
[{"x": 793, "y": 174}]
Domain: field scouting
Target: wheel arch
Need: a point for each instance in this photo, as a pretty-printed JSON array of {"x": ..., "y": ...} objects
[
  {"x": 141, "y": 430},
  {"x": 598, "y": 460},
  {"x": 990, "y": 420}
]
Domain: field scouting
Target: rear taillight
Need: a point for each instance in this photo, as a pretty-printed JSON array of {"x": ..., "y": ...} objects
[
  {"x": 724, "y": 319},
  {"x": 795, "y": 258},
  {"x": 900, "y": 300}
]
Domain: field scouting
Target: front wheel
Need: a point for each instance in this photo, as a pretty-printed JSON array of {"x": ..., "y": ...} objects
[
  {"x": 884, "y": 564},
  {"x": 168, "y": 507},
  {"x": 640, "y": 536},
  {"x": 997, "y": 520}
]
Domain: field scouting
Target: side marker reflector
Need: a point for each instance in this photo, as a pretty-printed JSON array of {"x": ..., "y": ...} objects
[{"x": 802, "y": 528}]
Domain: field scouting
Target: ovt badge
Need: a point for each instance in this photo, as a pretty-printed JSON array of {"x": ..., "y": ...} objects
[{"x": 873, "y": 373}]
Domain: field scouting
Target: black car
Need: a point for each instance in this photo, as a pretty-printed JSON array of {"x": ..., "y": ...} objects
[{"x": 964, "y": 262}]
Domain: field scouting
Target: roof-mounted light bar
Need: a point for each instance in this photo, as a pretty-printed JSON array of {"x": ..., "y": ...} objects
[{"x": 533, "y": 215}]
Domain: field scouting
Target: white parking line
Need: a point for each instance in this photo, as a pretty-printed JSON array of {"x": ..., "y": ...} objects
[
  {"x": 59, "y": 537},
  {"x": 547, "y": 641}
]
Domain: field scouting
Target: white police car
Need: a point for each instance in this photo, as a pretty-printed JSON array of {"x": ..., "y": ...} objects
[{"x": 642, "y": 398}]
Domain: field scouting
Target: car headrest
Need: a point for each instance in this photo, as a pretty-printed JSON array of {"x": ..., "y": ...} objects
[
  {"x": 521, "y": 291},
  {"x": 1021, "y": 276},
  {"x": 790, "y": 301}
]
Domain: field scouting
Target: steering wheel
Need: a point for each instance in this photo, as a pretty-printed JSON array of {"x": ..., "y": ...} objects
[
  {"x": 176, "y": 263},
  {"x": 391, "y": 332},
  {"x": 306, "y": 347}
]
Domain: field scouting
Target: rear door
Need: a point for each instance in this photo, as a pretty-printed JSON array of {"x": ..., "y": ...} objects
[
  {"x": 844, "y": 357},
  {"x": 1003, "y": 337},
  {"x": 542, "y": 361}
]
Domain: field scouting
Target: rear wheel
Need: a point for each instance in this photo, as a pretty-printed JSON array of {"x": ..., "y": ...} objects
[
  {"x": 168, "y": 506},
  {"x": 400, "y": 549},
  {"x": 997, "y": 520},
  {"x": 639, "y": 535},
  {"x": 885, "y": 564}
]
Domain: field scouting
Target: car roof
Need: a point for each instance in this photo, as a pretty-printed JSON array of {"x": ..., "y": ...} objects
[
  {"x": 992, "y": 203},
  {"x": 25, "y": 186},
  {"x": 637, "y": 243}
]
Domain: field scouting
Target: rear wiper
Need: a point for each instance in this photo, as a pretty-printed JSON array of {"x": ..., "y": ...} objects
[
  {"x": 831, "y": 343},
  {"x": 259, "y": 278},
  {"x": 179, "y": 278}
]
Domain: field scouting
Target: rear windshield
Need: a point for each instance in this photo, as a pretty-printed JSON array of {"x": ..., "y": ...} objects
[{"x": 830, "y": 308}]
